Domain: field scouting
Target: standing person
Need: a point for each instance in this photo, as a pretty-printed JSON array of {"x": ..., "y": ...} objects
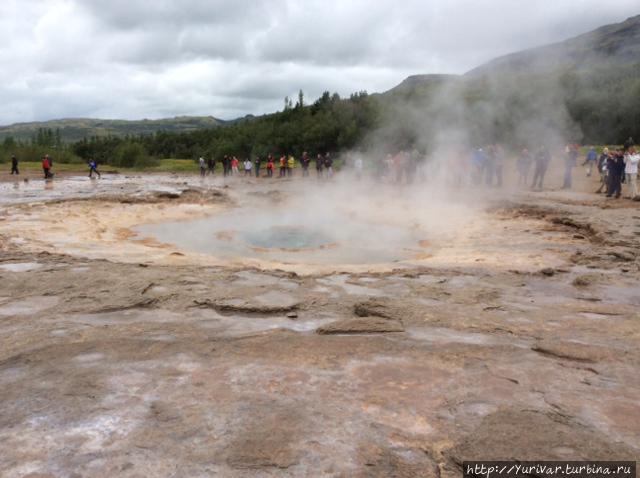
[
  {"x": 93, "y": 168},
  {"x": 234, "y": 165},
  {"x": 498, "y": 163},
  {"x": 270, "y": 166},
  {"x": 628, "y": 143},
  {"x": 319, "y": 165},
  {"x": 247, "y": 167},
  {"x": 615, "y": 167},
  {"x": 291, "y": 163},
  {"x": 602, "y": 170},
  {"x": 203, "y": 166},
  {"x": 524, "y": 165},
  {"x": 398, "y": 166},
  {"x": 631, "y": 160},
  {"x": 211, "y": 165},
  {"x": 225, "y": 165},
  {"x": 328, "y": 165},
  {"x": 46, "y": 166},
  {"x": 305, "y": 161},
  {"x": 14, "y": 165},
  {"x": 357, "y": 165},
  {"x": 542, "y": 160},
  {"x": 570, "y": 160},
  {"x": 478, "y": 165},
  {"x": 489, "y": 165},
  {"x": 257, "y": 163},
  {"x": 590, "y": 160},
  {"x": 283, "y": 166}
]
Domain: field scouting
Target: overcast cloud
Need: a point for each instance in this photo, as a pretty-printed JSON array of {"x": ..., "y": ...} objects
[{"x": 226, "y": 58}]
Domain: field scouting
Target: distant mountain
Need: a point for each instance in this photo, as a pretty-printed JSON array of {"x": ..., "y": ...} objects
[
  {"x": 421, "y": 81},
  {"x": 74, "y": 129},
  {"x": 585, "y": 88},
  {"x": 607, "y": 46}
]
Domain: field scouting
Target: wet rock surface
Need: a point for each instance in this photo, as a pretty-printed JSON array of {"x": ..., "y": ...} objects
[{"x": 149, "y": 368}]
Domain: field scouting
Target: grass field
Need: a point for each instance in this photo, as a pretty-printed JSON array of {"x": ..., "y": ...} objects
[{"x": 163, "y": 166}]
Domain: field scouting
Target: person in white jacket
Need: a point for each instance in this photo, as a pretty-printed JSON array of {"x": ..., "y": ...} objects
[{"x": 631, "y": 160}]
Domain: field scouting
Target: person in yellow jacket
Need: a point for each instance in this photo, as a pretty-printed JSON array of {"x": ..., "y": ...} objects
[{"x": 291, "y": 163}]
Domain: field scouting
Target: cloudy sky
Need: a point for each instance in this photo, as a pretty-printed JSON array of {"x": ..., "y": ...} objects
[{"x": 226, "y": 58}]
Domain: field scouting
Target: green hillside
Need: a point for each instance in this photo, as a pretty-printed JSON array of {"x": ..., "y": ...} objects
[{"x": 74, "y": 129}]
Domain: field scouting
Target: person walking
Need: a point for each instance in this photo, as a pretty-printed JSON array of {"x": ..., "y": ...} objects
[
  {"x": 542, "y": 160},
  {"x": 14, "y": 165},
  {"x": 203, "y": 166},
  {"x": 93, "y": 168},
  {"x": 590, "y": 160},
  {"x": 631, "y": 160},
  {"x": 234, "y": 165}
]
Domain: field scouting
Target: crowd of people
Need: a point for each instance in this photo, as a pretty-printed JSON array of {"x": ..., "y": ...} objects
[
  {"x": 482, "y": 166},
  {"x": 267, "y": 166}
]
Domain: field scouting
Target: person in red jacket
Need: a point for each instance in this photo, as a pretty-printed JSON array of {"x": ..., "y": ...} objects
[
  {"x": 46, "y": 166},
  {"x": 270, "y": 166}
]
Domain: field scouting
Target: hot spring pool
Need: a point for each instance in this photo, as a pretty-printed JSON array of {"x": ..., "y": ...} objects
[{"x": 315, "y": 237}]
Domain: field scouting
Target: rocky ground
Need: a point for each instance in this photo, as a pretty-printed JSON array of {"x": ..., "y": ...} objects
[{"x": 121, "y": 357}]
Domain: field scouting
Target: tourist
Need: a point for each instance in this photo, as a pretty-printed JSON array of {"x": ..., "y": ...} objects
[
  {"x": 615, "y": 167},
  {"x": 305, "y": 161},
  {"x": 570, "y": 160},
  {"x": 631, "y": 159},
  {"x": 234, "y": 165},
  {"x": 489, "y": 165},
  {"x": 247, "y": 167},
  {"x": 291, "y": 163},
  {"x": 270, "y": 166},
  {"x": 203, "y": 167},
  {"x": 46, "y": 167},
  {"x": 524, "y": 165},
  {"x": 498, "y": 164},
  {"x": 14, "y": 165},
  {"x": 283, "y": 166},
  {"x": 211, "y": 165},
  {"x": 93, "y": 168},
  {"x": 541, "y": 160},
  {"x": 319, "y": 165},
  {"x": 257, "y": 163},
  {"x": 628, "y": 143},
  {"x": 602, "y": 170},
  {"x": 478, "y": 165},
  {"x": 226, "y": 165},
  {"x": 590, "y": 160},
  {"x": 328, "y": 165},
  {"x": 358, "y": 165}
]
